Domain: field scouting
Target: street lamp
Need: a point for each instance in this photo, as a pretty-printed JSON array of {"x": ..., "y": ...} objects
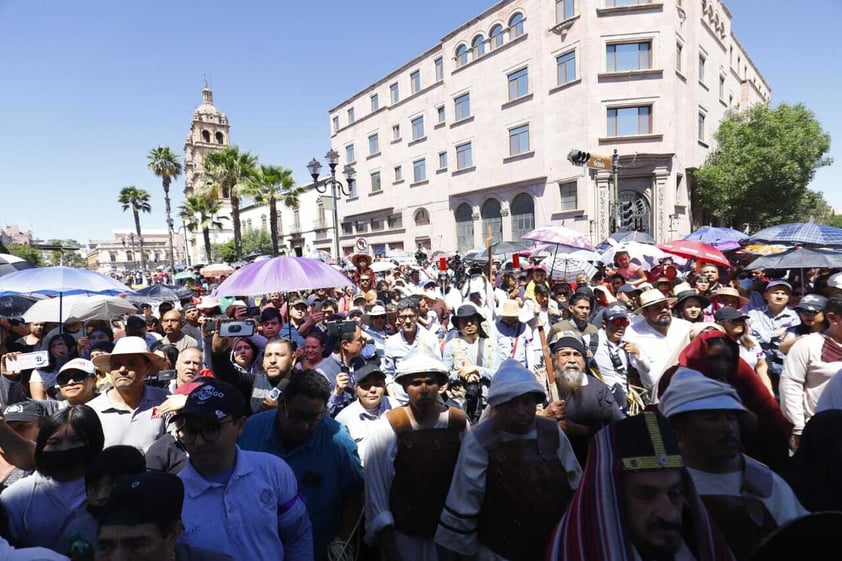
[{"x": 315, "y": 167}]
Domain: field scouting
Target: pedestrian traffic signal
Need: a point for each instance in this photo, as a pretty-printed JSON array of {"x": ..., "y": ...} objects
[
  {"x": 578, "y": 156},
  {"x": 626, "y": 214}
]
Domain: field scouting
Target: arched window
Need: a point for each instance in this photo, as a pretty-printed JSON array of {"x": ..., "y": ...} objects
[
  {"x": 496, "y": 36},
  {"x": 523, "y": 216},
  {"x": 220, "y": 138},
  {"x": 461, "y": 55},
  {"x": 422, "y": 217},
  {"x": 478, "y": 46},
  {"x": 112, "y": 255},
  {"x": 491, "y": 216},
  {"x": 206, "y": 136},
  {"x": 516, "y": 26},
  {"x": 464, "y": 228}
]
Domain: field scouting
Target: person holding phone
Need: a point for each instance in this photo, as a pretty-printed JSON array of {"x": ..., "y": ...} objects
[{"x": 61, "y": 348}]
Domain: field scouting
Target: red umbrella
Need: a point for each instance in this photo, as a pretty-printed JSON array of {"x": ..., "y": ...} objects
[{"x": 694, "y": 249}]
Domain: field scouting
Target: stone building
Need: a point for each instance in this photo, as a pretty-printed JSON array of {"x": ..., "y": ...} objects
[{"x": 474, "y": 133}]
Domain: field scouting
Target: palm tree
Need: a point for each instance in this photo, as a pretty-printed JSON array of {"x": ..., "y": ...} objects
[
  {"x": 165, "y": 165},
  {"x": 199, "y": 212},
  {"x": 268, "y": 186},
  {"x": 225, "y": 171},
  {"x": 138, "y": 200}
]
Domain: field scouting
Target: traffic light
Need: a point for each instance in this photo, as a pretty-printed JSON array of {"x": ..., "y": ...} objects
[
  {"x": 578, "y": 156},
  {"x": 626, "y": 214}
]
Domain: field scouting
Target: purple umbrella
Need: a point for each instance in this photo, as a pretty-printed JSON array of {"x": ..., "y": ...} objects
[{"x": 281, "y": 274}]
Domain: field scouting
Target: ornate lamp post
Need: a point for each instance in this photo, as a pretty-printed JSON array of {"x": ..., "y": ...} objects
[{"x": 315, "y": 167}]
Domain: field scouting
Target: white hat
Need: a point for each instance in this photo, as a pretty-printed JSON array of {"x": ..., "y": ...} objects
[
  {"x": 509, "y": 309},
  {"x": 80, "y": 364},
  {"x": 377, "y": 311},
  {"x": 513, "y": 380},
  {"x": 207, "y": 302},
  {"x": 653, "y": 296},
  {"x": 835, "y": 281},
  {"x": 420, "y": 360},
  {"x": 690, "y": 390},
  {"x": 129, "y": 346}
]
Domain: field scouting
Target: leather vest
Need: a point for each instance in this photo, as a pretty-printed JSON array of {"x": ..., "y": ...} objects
[
  {"x": 424, "y": 466},
  {"x": 526, "y": 491}
]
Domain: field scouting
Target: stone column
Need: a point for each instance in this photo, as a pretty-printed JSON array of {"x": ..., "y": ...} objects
[
  {"x": 602, "y": 206},
  {"x": 662, "y": 202}
]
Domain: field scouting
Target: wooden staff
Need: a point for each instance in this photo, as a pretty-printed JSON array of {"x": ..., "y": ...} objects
[{"x": 548, "y": 360}]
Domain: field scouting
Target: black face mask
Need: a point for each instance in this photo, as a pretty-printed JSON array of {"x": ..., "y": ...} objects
[{"x": 52, "y": 462}]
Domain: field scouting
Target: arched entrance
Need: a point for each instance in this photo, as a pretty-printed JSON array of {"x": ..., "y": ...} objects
[
  {"x": 640, "y": 218},
  {"x": 523, "y": 216},
  {"x": 493, "y": 218},
  {"x": 464, "y": 228}
]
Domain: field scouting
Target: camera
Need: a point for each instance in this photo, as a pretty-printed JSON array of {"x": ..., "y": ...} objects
[
  {"x": 337, "y": 328},
  {"x": 160, "y": 380},
  {"x": 245, "y": 328}
]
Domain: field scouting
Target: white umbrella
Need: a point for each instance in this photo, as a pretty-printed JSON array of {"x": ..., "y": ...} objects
[
  {"x": 564, "y": 267},
  {"x": 382, "y": 266},
  {"x": 645, "y": 255},
  {"x": 80, "y": 307}
]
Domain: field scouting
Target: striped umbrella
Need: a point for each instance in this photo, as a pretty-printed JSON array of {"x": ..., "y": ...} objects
[{"x": 804, "y": 233}]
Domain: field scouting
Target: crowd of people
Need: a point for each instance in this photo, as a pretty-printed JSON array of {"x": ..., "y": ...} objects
[{"x": 500, "y": 413}]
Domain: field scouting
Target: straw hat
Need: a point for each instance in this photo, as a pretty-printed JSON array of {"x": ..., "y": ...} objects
[
  {"x": 729, "y": 291},
  {"x": 129, "y": 346},
  {"x": 509, "y": 309},
  {"x": 653, "y": 296}
]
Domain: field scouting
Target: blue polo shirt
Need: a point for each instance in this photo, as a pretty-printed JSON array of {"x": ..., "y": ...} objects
[{"x": 326, "y": 465}]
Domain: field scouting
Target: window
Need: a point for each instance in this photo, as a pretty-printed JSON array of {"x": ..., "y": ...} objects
[
  {"x": 464, "y": 228},
  {"x": 440, "y": 113},
  {"x": 492, "y": 217},
  {"x": 417, "y": 127},
  {"x": 518, "y": 83},
  {"x": 461, "y": 55},
  {"x": 373, "y": 144},
  {"x": 566, "y": 65},
  {"x": 376, "y": 224},
  {"x": 496, "y": 36},
  {"x": 519, "y": 140},
  {"x": 419, "y": 170},
  {"x": 721, "y": 87},
  {"x": 564, "y": 9},
  {"x": 375, "y": 182},
  {"x": 464, "y": 157},
  {"x": 462, "y": 105},
  {"x": 350, "y": 115},
  {"x": 347, "y": 228},
  {"x": 442, "y": 160},
  {"x": 702, "y": 62},
  {"x": 679, "y": 48},
  {"x": 398, "y": 173},
  {"x": 220, "y": 139},
  {"x": 627, "y": 121},
  {"x": 478, "y": 46},
  {"x": 395, "y": 221},
  {"x": 439, "y": 64},
  {"x": 701, "y": 126},
  {"x": 516, "y": 26},
  {"x": 396, "y": 132},
  {"x": 375, "y": 102},
  {"x": 628, "y": 56},
  {"x": 415, "y": 81},
  {"x": 569, "y": 196},
  {"x": 522, "y": 210},
  {"x": 349, "y": 154},
  {"x": 206, "y": 136},
  {"x": 336, "y": 124},
  {"x": 361, "y": 226},
  {"x": 422, "y": 217},
  {"x": 394, "y": 93}
]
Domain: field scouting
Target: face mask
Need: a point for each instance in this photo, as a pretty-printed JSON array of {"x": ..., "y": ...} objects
[{"x": 52, "y": 462}]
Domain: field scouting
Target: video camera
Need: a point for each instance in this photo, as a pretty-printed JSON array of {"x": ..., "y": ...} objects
[
  {"x": 160, "y": 380},
  {"x": 337, "y": 328}
]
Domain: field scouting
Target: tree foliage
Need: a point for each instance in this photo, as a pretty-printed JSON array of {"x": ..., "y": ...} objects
[
  {"x": 199, "y": 213},
  {"x": 225, "y": 171},
  {"x": 138, "y": 201},
  {"x": 760, "y": 171},
  {"x": 254, "y": 241},
  {"x": 26, "y": 252},
  {"x": 270, "y": 185}
]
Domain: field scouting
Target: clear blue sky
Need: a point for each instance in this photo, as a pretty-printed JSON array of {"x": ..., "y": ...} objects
[{"x": 87, "y": 88}]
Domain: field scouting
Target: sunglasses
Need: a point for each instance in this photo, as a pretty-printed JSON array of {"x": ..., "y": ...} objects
[
  {"x": 804, "y": 312},
  {"x": 619, "y": 322},
  {"x": 66, "y": 377}
]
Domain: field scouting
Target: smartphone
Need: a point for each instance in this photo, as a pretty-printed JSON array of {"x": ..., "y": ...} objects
[
  {"x": 253, "y": 311},
  {"x": 244, "y": 328},
  {"x": 28, "y": 361}
]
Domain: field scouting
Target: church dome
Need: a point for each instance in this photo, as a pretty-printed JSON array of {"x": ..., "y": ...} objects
[{"x": 207, "y": 107}]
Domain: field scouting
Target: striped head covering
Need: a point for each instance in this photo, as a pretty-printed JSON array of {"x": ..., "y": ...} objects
[{"x": 594, "y": 526}]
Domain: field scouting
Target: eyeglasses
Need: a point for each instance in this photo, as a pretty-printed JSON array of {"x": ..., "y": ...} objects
[
  {"x": 618, "y": 323},
  {"x": 297, "y": 418},
  {"x": 804, "y": 312},
  {"x": 210, "y": 433},
  {"x": 74, "y": 376},
  {"x": 407, "y": 317}
]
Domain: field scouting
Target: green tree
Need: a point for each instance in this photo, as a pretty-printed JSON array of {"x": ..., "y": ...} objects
[
  {"x": 26, "y": 252},
  {"x": 225, "y": 171},
  {"x": 138, "y": 200},
  {"x": 167, "y": 166},
  {"x": 199, "y": 213},
  {"x": 760, "y": 171},
  {"x": 253, "y": 241},
  {"x": 270, "y": 185}
]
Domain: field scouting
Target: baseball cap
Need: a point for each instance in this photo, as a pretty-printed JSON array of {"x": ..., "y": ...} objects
[
  {"x": 812, "y": 302},
  {"x": 775, "y": 283},
  {"x": 615, "y": 311},
  {"x": 135, "y": 322},
  {"x": 144, "y": 498},
  {"x": 25, "y": 411},
  {"x": 728, "y": 314},
  {"x": 214, "y": 400},
  {"x": 568, "y": 340},
  {"x": 298, "y": 302},
  {"x": 367, "y": 370},
  {"x": 80, "y": 364},
  {"x": 628, "y": 287}
]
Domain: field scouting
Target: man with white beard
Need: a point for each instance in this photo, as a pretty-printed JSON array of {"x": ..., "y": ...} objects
[{"x": 585, "y": 403}]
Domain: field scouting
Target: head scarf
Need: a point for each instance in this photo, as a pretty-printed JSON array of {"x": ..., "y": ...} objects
[{"x": 594, "y": 526}]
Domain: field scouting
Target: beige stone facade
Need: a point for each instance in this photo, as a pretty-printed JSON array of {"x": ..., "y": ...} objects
[{"x": 474, "y": 133}]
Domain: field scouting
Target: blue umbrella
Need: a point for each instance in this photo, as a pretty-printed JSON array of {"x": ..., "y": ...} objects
[
  {"x": 805, "y": 233},
  {"x": 723, "y": 239}
]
